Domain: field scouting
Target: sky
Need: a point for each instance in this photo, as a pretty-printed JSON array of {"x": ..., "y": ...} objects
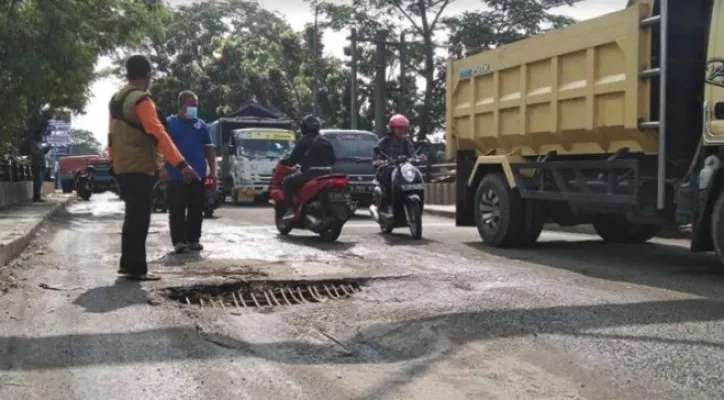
[{"x": 298, "y": 13}]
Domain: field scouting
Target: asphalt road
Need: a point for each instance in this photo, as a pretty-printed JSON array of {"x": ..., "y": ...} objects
[{"x": 570, "y": 319}]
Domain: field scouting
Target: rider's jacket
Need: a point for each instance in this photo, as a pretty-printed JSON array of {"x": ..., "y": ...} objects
[
  {"x": 394, "y": 146},
  {"x": 311, "y": 151}
]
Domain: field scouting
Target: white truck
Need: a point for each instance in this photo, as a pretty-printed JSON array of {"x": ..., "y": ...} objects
[
  {"x": 253, "y": 154},
  {"x": 249, "y": 147}
]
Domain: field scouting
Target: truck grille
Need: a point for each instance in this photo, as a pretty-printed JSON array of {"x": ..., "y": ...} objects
[{"x": 265, "y": 179}]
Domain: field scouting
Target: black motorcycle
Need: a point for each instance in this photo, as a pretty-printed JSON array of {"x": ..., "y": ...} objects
[
  {"x": 159, "y": 199},
  {"x": 84, "y": 184},
  {"x": 408, "y": 197}
]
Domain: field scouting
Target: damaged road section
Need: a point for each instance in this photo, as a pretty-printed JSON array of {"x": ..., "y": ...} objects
[{"x": 265, "y": 293}]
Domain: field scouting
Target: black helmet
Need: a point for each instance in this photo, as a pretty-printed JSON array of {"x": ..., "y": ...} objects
[{"x": 310, "y": 125}]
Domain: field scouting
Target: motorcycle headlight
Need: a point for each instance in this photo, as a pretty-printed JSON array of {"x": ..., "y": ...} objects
[{"x": 408, "y": 172}]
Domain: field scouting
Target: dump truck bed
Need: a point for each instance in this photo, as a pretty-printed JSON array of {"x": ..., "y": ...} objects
[{"x": 574, "y": 91}]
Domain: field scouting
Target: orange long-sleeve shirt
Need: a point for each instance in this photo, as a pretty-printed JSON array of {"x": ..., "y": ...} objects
[{"x": 148, "y": 118}]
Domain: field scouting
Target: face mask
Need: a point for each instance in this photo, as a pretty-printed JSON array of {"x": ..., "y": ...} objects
[{"x": 192, "y": 112}]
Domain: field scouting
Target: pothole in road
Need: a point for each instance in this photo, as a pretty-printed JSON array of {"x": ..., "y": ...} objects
[{"x": 265, "y": 294}]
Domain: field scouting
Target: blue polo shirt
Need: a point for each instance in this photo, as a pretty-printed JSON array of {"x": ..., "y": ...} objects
[{"x": 190, "y": 137}]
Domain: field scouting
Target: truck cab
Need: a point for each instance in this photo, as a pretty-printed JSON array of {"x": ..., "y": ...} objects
[
  {"x": 354, "y": 150},
  {"x": 253, "y": 154}
]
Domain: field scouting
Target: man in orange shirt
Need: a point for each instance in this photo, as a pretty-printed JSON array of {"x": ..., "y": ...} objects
[{"x": 135, "y": 137}]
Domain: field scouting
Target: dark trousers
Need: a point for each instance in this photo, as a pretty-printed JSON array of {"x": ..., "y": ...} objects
[
  {"x": 293, "y": 182},
  {"x": 185, "y": 210},
  {"x": 38, "y": 178},
  {"x": 136, "y": 189},
  {"x": 384, "y": 177}
]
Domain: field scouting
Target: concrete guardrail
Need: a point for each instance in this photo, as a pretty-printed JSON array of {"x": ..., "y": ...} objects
[{"x": 18, "y": 193}]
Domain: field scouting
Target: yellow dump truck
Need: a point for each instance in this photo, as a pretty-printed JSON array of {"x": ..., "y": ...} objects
[{"x": 587, "y": 125}]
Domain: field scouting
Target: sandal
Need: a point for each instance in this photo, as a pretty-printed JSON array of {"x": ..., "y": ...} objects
[{"x": 144, "y": 277}]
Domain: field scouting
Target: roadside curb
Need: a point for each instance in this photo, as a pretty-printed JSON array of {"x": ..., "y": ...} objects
[
  {"x": 666, "y": 233},
  {"x": 16, "y": 246}
]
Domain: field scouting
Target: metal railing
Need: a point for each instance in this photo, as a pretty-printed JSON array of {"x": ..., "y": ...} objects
[
  {"x": 15, "y": 169},
  {"x": 439, "y": 173}
]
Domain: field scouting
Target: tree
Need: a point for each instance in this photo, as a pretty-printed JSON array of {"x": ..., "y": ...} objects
[
  {"x": 497, "y": 22},
  {"x": 368, "y": 21},
  {"x": 48, "y": 52},
  {"x": 424, "y": 18},
  {"x": 505, "y": 21},
  {"x": 83, "y": 143},
  {"x": 232, "y": 52}
]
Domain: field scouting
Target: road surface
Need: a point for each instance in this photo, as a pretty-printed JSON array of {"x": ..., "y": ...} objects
[{"x": 571, "y": 319}]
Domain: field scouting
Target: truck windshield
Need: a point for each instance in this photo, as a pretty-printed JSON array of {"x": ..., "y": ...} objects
[
  {"x": 264, "y": 148},
  {"x": 352, "y": 145}
]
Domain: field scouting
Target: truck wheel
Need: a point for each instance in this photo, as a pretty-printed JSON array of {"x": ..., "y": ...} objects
[
  {"x": 498, "y": 212},
  {"x": 533, "y": 221},
  {"x": 717, "y": 227},
  {"x": 616, "y": 228}
]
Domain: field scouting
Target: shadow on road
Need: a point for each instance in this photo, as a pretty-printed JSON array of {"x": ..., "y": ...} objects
[
  {"x": 316, "y": 242},
  {"x": 650, "y": 264},
  {"x": 400, "y": 238},
  {"x": 123, "y": 293},
  {"x": 381, "y": 343}
]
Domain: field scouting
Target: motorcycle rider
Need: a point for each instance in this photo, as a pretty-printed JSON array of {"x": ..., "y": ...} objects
[
  {"x": 393, "y": 145},
  {"x": 310, "y": 151}
]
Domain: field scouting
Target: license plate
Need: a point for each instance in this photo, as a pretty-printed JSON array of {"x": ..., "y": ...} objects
[
  {"x": 362, "y": 188},
  {"x": 245, "y": 196},
  {"x": 338, "y": 196},
  {"x": 411, "y": 186}
]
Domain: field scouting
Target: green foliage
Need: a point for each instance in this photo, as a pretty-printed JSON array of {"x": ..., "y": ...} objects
[
  {"x": 83, "y": 143},
  {"x": 48, "y": 51},
  {"x": 231, "y": 52},
  {"x": 425, "y": 23}
]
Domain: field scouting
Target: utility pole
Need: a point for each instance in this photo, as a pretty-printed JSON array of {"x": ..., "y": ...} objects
[
  {"x": 380, "y": 82},
  {"x": 353, "y": 110},
  {"x": 315, "y": 61},
  {"x": 402, "y": 102}
]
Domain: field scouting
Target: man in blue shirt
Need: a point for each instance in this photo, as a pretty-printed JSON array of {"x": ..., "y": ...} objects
[{"x": 186, "y": 200}]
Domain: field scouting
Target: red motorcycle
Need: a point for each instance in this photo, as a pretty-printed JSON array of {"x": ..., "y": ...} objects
[{"x": 323, "y": 205}]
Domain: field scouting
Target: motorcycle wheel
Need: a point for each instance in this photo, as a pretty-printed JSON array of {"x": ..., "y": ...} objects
[
  {"x": 283, "y": 228},
  {"x": 386, "y": 228},
  {"x": 415, "y": 220},
  {"x": 208, "y": 213},
  {"x": 332, "y": 234}
]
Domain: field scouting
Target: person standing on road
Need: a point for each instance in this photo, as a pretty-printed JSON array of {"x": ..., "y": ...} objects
[
  {"x": 37, "y": 159},
  {"x": 186, "y": 199},
  {"x": 135, "y": 136}
]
